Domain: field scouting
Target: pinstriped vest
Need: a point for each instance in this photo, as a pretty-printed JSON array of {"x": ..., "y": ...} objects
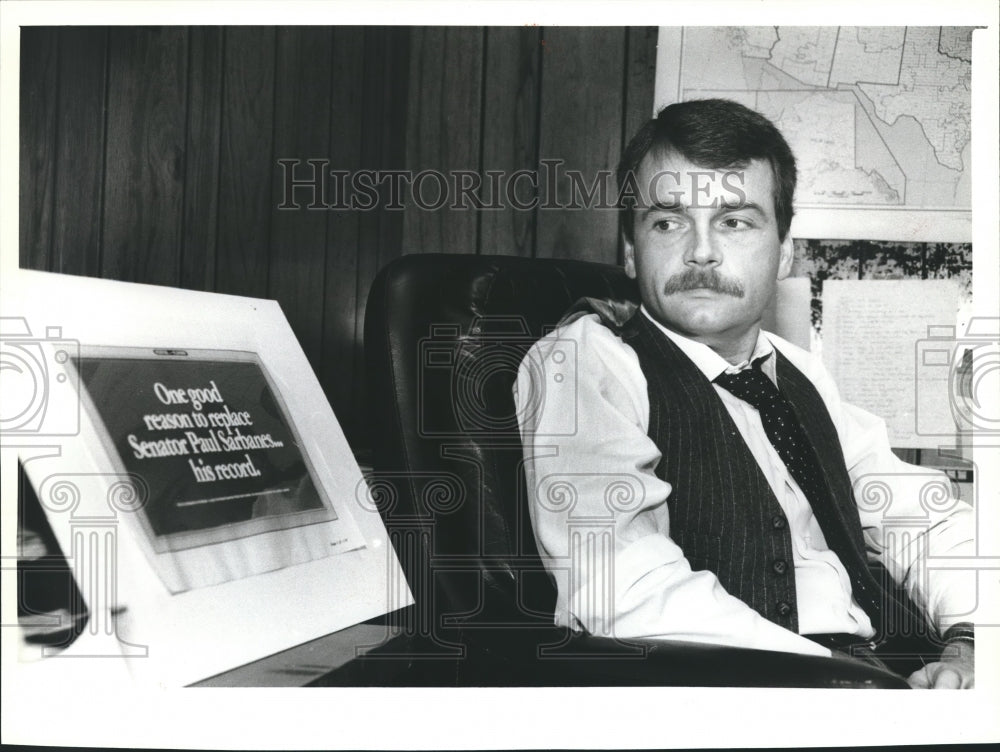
[{"x": 723, "y": 512}]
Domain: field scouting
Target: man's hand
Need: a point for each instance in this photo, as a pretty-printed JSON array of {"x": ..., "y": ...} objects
[{"x": 955, "y": 669}]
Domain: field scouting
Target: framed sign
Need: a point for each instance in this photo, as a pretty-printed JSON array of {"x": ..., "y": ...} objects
[
  {"x": 193, "y": 473},
  {"x": 217, "y": 461}
]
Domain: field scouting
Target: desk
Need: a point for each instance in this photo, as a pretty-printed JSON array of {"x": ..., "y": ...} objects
[{"x": 307, "y": 662}]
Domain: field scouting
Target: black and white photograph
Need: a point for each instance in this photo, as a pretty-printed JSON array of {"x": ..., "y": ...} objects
[{"x": 500, "y": 375}]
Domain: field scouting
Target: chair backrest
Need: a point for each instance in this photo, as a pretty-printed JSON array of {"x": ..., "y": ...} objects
[{"x": 444, "y": 335}]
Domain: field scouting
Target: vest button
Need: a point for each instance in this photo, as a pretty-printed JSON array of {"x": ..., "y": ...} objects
[
  {"x": 784, "y": 608},
  {"x": 778, "y": 522},
  {"x": 780, "y": 566}
]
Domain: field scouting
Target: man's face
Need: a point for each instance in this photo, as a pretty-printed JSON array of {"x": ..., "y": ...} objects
[{"x": 706, "y": 253}]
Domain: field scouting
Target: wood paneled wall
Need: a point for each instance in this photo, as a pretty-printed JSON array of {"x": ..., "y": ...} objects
[{"x": 151, "y": 155}]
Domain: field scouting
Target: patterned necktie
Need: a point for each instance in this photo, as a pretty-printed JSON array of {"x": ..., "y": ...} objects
[
  {"x": 781, "y": 426},
  {"x": 786, "y": 434}
]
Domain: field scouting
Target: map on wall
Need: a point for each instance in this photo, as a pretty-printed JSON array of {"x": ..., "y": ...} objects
[{"x": 879, "y": 118}]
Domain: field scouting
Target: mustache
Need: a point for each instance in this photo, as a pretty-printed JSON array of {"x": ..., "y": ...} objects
[{"x": 703, "y": 279}]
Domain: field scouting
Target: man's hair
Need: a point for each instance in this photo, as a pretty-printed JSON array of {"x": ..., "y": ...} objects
[{"x": 712, "y": 134}]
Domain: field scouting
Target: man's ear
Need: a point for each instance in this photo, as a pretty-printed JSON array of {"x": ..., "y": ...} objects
[
  {"x": 786, "y": 257},
  {"x": 629, "y": 258}
]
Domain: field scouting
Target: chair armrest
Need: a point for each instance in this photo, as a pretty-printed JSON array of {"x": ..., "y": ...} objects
[
  {"x": 692, "y": 664},
  {"x": 552, "y": 656}
]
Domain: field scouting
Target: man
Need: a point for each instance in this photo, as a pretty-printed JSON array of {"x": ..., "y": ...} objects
[{"x": 725, "y": 505}]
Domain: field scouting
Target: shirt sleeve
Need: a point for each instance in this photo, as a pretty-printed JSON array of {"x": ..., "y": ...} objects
[
  {"x": 910, "y": 515},
  {"x": 599, "y": 510}
]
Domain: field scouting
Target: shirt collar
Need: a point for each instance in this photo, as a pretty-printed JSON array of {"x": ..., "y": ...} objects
[{"x": 710, "y": 362}]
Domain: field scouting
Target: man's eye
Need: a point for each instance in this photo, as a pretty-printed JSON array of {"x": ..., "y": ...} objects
[
  {"x": 737, "y": 223},
  {"x": 666, "y": 225}
]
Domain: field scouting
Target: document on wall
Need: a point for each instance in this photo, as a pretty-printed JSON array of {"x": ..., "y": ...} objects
[{"x": 891, "y": 347}]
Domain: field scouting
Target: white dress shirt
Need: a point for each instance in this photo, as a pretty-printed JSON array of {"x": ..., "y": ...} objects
[{"x": 583, "y": 408}]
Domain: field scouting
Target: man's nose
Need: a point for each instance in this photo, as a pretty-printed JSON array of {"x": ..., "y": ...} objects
[{"x": 702, "y": 249}]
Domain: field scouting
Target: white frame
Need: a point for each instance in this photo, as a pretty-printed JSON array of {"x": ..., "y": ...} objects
[{"x": 185, "y": 637}]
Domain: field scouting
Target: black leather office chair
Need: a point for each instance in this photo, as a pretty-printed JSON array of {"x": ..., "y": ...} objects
[{"x": 444, "y": 335}]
